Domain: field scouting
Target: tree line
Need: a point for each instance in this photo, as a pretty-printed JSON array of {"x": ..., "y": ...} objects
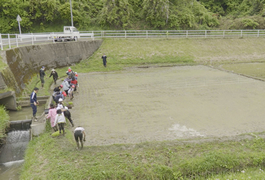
[{"x": 51, "y": 15}]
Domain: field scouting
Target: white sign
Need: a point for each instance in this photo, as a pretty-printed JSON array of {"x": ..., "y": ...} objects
[{"x": 19, "y": 18}]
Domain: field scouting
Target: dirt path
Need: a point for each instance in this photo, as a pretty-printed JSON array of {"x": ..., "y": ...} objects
[{"x": 156, "y": 104}]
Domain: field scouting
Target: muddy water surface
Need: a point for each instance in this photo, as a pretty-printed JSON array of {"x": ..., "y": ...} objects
[{"x": 155, "y": 104}]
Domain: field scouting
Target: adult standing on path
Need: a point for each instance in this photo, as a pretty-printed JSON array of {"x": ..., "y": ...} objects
[
  {"x": 104, "y": 58},
  {"x": 34, "y": 102},
  {"x": 54, "y": 74},
  {"x": 80, "y": 136},
  {"x": 42, "y": 74}
]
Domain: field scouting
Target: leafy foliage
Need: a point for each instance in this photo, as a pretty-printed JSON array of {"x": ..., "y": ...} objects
[
  {"x": 117, "y": 14},
  {"x": 4, "y": 120},
  {"x": 52, "y": 15}
]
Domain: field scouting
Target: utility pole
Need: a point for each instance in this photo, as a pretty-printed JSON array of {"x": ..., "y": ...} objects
[{"x": 71, "y": 13}]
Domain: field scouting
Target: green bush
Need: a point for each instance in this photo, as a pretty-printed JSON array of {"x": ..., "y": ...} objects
[{"x": 4, "y": 121}]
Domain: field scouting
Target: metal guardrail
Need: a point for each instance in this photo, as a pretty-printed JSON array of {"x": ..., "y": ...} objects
[
  {"x": 177, "y": 33},
  {"x": 15, "y": 40}
]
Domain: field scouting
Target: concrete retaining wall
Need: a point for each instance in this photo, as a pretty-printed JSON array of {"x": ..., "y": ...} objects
[{"x": 24, "y": 62}]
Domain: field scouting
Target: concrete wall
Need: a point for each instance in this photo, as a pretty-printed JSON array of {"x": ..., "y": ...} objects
[{"x": 24, "y": 62}]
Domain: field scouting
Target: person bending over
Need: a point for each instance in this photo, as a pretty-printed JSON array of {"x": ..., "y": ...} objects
[{"x": 80, "y": 136}]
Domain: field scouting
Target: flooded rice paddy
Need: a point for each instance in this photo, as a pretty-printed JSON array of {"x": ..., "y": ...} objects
[{"x": 167, "y": 103}]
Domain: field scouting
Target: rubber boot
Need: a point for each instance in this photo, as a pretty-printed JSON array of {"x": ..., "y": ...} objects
[{"x": 34, "y": 118}]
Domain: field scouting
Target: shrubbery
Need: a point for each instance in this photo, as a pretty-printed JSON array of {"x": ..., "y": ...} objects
[{"x": 4, "y": 121}]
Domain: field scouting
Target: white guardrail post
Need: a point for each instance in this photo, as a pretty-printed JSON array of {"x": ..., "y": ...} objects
[
  {"x": 146, "y": 34},
  {"x": 1, "y": 42},
  {"x": 125, "y": 34},
  {"x": 9, "y": 43},
  {"x": 224, "y": 34},
  {"x": 17, "y": 40},
  {"x": 32, "y": 39}
]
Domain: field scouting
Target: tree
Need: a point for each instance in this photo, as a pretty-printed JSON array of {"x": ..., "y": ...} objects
[
  {"x": 156, "y": 12},
  {"x": 116, "y": 13}
]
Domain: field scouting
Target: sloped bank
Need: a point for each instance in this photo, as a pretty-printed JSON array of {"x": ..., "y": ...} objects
[{"x": 24, "y": 62}]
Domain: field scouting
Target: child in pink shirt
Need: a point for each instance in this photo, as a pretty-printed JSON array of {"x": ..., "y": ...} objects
[{"x": 52, "y": 114}]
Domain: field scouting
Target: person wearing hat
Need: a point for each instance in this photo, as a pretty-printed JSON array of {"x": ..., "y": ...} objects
[
  {"x": 65, "y": 111},
  {"x": 66, "y": 86},
  {"x": 54, "y": 74},
  {"x": 34, "y": 102},
  {"x": 71, "y": 92},
  {"x": 57, "y": 93},
  {"x": 74, "y": 82},
  {"x": 58, "y": 96},
  {"x": 42, "y": 74},
  {"x": 70, "y": 73},
  {"x": 57, "y": 89},
  {"x": 80, "y": 136}
]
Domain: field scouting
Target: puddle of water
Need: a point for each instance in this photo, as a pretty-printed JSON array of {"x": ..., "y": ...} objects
[{"x": 25, "y": 113}]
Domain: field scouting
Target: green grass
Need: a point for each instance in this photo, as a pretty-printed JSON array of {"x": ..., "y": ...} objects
[
  {"x": 250, "y": 69},
  {"x": 249, "y": 173},
  {"x": 2, "y": 64},
  {"x": 57, "y": 158},
  {"x": 4, "y": 121},
  {"x": 133, "y": 52},
  {"x": 35, "y": 82}
]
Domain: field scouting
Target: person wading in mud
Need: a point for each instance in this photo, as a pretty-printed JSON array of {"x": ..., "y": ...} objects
[
  {"x": 34, "y": 102},
  {"x": 42, "y": 74},
  {"x": 104, "y": 58}
]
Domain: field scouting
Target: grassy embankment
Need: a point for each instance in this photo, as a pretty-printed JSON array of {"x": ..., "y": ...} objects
[
  {"x": 4, "y": 120},
  {"x": 57, "y": 158}
]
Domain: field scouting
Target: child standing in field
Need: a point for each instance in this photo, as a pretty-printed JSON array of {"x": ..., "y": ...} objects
[
  {"x": 52, "y": 115},
  {"x": 60, "y": 120}
]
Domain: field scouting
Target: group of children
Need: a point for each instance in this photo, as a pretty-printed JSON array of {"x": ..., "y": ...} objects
[{"x": 58, "y": 112}]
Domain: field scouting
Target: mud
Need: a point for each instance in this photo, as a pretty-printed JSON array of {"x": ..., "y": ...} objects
[{"x": 167, "y": 103}]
